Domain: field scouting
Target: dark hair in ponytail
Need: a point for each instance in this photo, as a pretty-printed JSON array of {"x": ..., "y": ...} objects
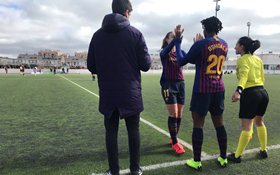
[
  {"x": 164, "y": 43},
  {"x": 250, "y": 46}
]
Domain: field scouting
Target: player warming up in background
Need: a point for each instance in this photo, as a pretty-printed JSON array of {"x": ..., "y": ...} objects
[
  {"x": 21, "y": 70},
  {"x": 93, "y": 77}
]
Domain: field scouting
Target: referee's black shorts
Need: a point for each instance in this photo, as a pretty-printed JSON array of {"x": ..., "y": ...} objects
[{"x": 253, "y": 102}]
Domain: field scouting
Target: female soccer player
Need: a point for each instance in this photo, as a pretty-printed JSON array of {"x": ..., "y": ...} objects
[
  {"x": 21, "y": 70},
  {"x": 93, "y": 76},
  {"x": 173, "y": 89},
  {"x": 252, "y": 95},
  {"x": 6, "y": 69},
  {"x": 208, "y": 54}
]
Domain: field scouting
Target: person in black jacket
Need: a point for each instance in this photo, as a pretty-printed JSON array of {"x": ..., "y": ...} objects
[
  {"x": 117, "y": 55},
  {"x": 6, "y": 69}
]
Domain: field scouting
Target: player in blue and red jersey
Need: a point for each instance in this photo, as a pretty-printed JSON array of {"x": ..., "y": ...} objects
[
  {"x": 172, "y": 89},
  {"x": 208, "y": 54}
]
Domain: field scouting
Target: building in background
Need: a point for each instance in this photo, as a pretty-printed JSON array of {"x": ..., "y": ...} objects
[
  {"x": 79, "y": 60},
  {"x": 271, "y": 61},
  {"x": 46, "y": 59}
]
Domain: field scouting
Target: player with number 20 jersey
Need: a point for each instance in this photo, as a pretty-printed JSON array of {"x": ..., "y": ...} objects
[{"x": 208, "y": 54}]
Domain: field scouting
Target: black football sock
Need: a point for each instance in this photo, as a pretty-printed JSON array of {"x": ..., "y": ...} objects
[
  {"x": 197, "y": 140},
  {"x": 172, "y": 126},
  {"x": 178, "y": 124},
  {"x": 222, "y": 140}
]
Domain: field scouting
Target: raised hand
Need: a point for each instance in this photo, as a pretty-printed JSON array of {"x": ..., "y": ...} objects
[
  {"x": 198, "y": 37},
  {"x": 178, "y": 31}
]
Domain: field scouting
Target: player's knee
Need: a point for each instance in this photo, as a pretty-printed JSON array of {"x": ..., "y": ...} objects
[
  {"x": 217, "y": 121},
  {"x": 179, "y": 114},
  {"x": 259, "y": 121},
  {"x": 246, "y": 128},
  {"x": 173, "y": 113}
]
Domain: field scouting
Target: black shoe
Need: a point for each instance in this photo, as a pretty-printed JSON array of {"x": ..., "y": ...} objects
[
  {"x": 233, "y": 159},
  {"x": 138, "y": 172},
  {"x": 263, "y": 154},
  {"x": 109, "y": 173}
]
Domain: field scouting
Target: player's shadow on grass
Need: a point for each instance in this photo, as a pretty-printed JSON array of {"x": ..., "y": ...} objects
[
  {"x": 57, "y": 159},
  {"x": 158, "y": 149},
  {"x": 53, "y": 160}
]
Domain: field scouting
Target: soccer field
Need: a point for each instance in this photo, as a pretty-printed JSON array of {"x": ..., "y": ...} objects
[{"x": 50, "y": 125}]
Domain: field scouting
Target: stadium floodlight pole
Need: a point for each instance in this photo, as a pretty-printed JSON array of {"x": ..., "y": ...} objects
[
  {"x": 248, "y": 25},
  {"x": 217, "y": 8}
]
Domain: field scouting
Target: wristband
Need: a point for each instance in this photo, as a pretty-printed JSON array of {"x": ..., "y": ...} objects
[{"x": 239, "y": 90}]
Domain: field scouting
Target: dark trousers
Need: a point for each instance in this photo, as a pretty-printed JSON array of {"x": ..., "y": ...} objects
[{"x": 132, "y": 126}]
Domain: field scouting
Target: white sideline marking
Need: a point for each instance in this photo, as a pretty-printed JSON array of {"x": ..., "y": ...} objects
[
  {"x": 79, "y": 86},
  {"x": 175, "y": 163},
  {"x": 182, "y": 162},
  {"x": 189, "y": 146}
]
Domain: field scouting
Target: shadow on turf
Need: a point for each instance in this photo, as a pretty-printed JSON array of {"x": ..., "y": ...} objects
[
  {"x": 54, "y": 160},
  {"x": 161, "y": 149},
  {"x": 158, "y": 150},
  {"x": 11, "y": 159}
]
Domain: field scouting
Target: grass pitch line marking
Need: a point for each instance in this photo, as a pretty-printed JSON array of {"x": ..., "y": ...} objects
[
  {"x": 272, "y": 147},
  {"x": 183, "y": 162},
  {"x": 79, "y": 86},
  {"x": 189, "y": 146}
]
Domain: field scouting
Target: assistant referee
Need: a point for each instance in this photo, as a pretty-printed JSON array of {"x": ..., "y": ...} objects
[{"x": 252, "y": 94}]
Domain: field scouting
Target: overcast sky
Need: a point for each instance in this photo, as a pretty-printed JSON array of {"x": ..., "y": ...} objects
[{"x": 28, "y": 26}]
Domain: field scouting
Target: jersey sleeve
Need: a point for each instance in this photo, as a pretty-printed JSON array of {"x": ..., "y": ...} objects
[
  {"x": 191, "y": 57},
  {"x": 243, "y": 71},
  {"x": 166, "y": 49}
]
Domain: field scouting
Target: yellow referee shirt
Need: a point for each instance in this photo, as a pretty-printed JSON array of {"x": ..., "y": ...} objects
[{"x": 249, "y": 71}]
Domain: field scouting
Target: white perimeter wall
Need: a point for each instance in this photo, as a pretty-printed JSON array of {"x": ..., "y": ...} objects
[{"x": 85, "y": 71}]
